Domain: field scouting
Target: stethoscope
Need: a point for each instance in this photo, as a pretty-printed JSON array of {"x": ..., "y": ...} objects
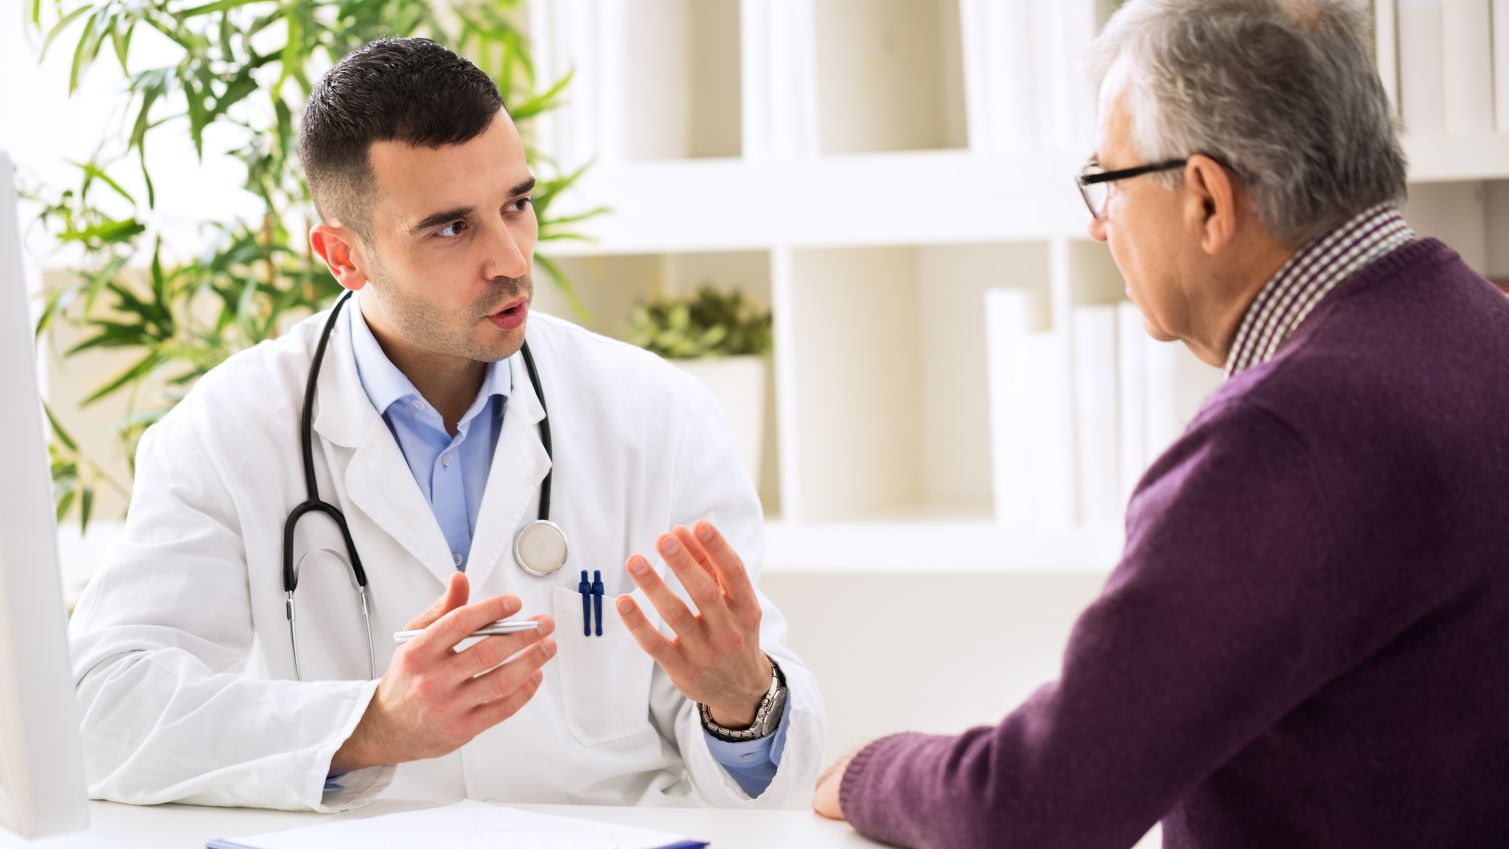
[{"x": 539, "y": 549}]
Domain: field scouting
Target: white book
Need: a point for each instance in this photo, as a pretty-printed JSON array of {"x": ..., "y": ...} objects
[
  {"x": 1422, "y": 80},
  {"x": 1097, "y": 443},
  {"x": 1049, "y": 28},
  {"x": 1051, "y": 438},
  {"x": 1131, "y": 380},
  {"x": 1467, "y": 71},
  {"x": 1011, "y": 74},
  {"x": 1501, "y": 63},
  {"x": 1177, "y": 384},
  {"x": 1009, "y": 317},
  {"x": 976, "y": 51}
]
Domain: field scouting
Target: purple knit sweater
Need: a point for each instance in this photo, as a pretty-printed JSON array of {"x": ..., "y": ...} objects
[{"x": 1306, "y": 643}]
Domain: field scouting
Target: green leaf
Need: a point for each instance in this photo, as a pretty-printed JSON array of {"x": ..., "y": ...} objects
[
  {"x": 86, "y": 505},
  {"x": 113, "y": 334},
  {"x": 211, "y": 8},
  {"x": 235, "y": 91},
  {"x": 65, "y": 502},
  {"x": 93, "y": 171},
  {"x": 540, "y": 102},
  {"x": 291, "y": 49},
  {"x": 57, "y": 29},
  {"x": 109, "y": 232},
  {"x": 285, "y": 128},
  {"x": 198, "y": 115},
  {"x": 119, "y": 43},
  {"x": 137, "y": 371},
  {"x": 563, "y": 282},
  {"x": 58, "y": 431},
  {"x": 141, "y": 150},
  {"x": 82, "y": 54}
]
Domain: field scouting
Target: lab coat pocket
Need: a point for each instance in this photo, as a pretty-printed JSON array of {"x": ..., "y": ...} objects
[{"x": 605, "y": 681}]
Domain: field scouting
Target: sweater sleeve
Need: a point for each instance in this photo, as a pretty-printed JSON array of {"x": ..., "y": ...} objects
[{"x": 1224, "y": 613}]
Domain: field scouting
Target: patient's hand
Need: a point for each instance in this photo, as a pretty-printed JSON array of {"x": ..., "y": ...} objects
[
  {"x": 825, "y": 801},
  {"x": 715, "y": 657},
  {"x": 433, "y": 699}
]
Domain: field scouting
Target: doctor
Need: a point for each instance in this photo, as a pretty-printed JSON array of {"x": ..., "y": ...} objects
[{"x": 210, "y": 674}]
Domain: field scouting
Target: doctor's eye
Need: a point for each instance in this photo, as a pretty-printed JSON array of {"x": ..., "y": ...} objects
[
  {"x": 451, "y": 230},
  {"x": 519, "y": 205}
]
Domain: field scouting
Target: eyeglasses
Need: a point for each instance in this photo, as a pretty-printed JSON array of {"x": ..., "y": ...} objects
[{"x": 1095, "y": 184}]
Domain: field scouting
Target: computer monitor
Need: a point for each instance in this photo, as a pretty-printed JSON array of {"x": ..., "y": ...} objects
[{"x": 42, "y": 789}]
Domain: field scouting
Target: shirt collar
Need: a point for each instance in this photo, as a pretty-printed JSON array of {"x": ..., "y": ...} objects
[
  {"x": 1307, "y": 277},
  {"x": 385, "y": 385}
]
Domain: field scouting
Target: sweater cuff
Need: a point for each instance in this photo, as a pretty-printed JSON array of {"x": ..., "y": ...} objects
[{"x": 856, "y": 794}]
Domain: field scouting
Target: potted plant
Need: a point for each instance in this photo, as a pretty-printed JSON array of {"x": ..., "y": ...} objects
[{"x": 722, "y": 339}]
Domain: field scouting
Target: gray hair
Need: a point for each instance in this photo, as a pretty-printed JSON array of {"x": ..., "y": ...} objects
[{"x": 1283, "y": 92}]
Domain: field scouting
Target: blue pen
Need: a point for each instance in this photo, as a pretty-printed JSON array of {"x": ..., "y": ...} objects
[
  {"x": 586, "y": 590},
  {"x": 597, "y": 598}
]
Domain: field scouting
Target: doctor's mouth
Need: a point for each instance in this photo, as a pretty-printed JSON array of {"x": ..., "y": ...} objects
[{"x": 512, "y": 315}]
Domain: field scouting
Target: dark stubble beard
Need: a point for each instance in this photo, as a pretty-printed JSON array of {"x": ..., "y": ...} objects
[{"x": 425, "y": 325}]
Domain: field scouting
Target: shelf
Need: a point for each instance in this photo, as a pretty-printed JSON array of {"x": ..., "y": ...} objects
[
  {"x": 889, "y": 75},
  {"x": 1443, "y": 157},
  {"x": 927, "y": 197},
  {"x": 914, "y": 546},
  {"x": 881, "y": 368},
  {"x": 610, "y": 285},
  {"x": 651, "y": 79}
]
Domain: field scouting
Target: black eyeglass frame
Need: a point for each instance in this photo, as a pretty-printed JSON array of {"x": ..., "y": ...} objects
[{"x": 1083, "y": 180}]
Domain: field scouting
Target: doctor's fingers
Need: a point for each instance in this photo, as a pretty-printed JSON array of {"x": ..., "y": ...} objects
[
  {"x": 491, "y": 652},
  {"x": 506, "y": 680},
  {"x": 698, "y": 580},
  {"x": 730, "y": 569},
  {"x": 450, "y": 629},
  {"x": 488, "y": 714},
  {"x": 655, "y": 644},
  {"x": 455, "y": 596},
  {"x": 672, "y": 610}
]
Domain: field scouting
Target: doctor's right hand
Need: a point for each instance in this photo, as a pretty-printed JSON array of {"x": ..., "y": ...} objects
[{"x": 433, "y": 699}]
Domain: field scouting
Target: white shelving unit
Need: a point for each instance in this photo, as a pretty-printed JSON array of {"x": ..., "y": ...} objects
[{"x": 868, "y": 168}]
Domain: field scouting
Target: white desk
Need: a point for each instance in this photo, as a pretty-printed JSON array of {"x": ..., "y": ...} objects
[{"x": 187, "y": 827}]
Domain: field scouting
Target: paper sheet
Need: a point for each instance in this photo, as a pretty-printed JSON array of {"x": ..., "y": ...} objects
[{"x": 463, "y": 825}]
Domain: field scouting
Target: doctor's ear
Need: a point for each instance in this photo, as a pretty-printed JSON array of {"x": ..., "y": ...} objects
[{"x": 336, "y": 245}]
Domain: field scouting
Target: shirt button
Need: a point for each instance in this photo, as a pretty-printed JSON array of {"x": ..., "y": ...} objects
[
  {"x": 445, "y": 459},
  {"x": 457, "y": 559},
  {"x": 746, "y": 758}
]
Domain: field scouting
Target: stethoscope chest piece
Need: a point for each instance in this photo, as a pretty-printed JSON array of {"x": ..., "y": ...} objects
[{"x": 540, "y": 549}]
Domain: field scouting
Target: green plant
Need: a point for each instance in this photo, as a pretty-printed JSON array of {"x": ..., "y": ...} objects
[
  {"x": 707, "y": 324},
  {"x": 243, "y": 68}
]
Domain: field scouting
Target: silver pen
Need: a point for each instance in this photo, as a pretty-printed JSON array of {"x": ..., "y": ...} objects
[{"x": 502, "y": 626}]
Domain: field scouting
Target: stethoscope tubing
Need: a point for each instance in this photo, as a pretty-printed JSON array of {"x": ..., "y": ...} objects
[{"x": 313, "y": 503}]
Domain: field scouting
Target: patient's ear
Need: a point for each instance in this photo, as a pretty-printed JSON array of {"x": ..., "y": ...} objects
[
  {"x": 336, "y": 244},
  {"x": 1211, "y": 196}
]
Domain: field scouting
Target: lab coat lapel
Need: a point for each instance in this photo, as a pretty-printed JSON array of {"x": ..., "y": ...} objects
[
  {"x": 377, "y": 479},
  {"x": 511, "y": 498}
]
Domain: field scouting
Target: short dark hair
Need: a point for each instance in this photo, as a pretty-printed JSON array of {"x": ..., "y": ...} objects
[{"x": 394, "y": 89}]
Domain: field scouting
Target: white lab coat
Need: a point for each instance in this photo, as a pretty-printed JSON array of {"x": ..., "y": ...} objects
[{"x": 180, "y": 644}]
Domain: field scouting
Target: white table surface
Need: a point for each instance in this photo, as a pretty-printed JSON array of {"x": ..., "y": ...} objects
[{"x": 188, "y": 827}]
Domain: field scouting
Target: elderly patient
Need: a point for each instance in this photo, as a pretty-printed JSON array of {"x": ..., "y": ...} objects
[{"x": 1306, "y": 643}]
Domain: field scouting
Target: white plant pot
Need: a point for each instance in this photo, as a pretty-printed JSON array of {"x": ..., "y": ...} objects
[{"x": 739, "y": 385}]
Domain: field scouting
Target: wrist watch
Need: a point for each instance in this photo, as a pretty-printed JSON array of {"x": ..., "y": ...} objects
[{"x": 767, "y": 716}]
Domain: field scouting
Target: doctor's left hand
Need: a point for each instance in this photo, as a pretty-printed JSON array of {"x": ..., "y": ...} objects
[{"x": 715, "y": 656}]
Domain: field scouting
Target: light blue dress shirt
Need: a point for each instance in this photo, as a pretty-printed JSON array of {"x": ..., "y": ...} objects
[{"x": 452, "y": 474}]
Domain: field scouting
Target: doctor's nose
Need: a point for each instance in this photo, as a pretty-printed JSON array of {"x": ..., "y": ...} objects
[{"x": 507, "y": 256}]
